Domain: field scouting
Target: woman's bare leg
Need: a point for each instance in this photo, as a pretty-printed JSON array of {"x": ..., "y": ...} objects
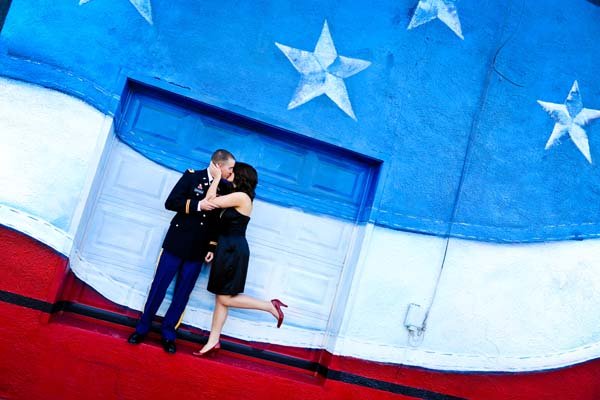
[
  {"x": 222, "y": 304},
  {"x": 244, "y": 301},
  {"x": 218, "y": 320}
]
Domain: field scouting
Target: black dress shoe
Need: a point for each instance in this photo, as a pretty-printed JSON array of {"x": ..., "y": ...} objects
[
  {"x": 169, "y": 346},
  {"x": 136, "y": 338}
]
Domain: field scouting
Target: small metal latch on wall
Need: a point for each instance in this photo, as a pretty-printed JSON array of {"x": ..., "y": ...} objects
[{"x": 415, "y": 323}]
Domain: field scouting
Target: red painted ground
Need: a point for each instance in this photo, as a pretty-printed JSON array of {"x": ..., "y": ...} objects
[{"x": 70, "y": 357}]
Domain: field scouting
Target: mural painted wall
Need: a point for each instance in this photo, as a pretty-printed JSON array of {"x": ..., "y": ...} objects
[{"x": 477, "y": 118}]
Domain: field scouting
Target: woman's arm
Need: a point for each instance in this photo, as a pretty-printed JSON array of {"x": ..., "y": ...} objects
[
  {"x": 235, "y": 199},
  {"x": 216, "y": 174}
]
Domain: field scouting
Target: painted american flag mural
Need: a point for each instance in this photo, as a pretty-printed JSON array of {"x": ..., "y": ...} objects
[{"x": 467, "y": 138}]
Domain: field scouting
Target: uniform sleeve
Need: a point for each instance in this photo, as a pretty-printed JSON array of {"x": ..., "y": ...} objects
[{"x": 179, "y": 200}]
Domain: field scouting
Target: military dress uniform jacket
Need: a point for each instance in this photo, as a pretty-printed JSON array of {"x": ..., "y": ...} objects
[{"x": 191, "y": 230}]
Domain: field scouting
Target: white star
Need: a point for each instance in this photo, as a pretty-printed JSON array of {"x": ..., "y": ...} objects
[
  {"x": 323, "y": 72},
  {"x": 142, "y": 6},
  {"x": 444, "y": 10},
  {"x": 570, "y": 118}
]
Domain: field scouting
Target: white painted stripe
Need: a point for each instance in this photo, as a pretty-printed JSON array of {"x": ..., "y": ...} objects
[
  {"x": 498, "y": 307},
  {"x": 36, "y": 228},
  {"x": 474, "y": 361},
  {"x": 51, "y": 144}
]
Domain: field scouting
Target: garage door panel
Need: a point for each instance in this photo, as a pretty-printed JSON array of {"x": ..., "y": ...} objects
[
  {"x": 131, "y": 179},
  {"x": 330, "y": 239},
  {"x": 260, "y": 272},
  {"x": 282, "y": 163},
  {"x": 209, "y": 141},
  {"x": 297, "y": 232},
  {"x": 308, "y": 288},
  {"x": 158, "y": 119},
  {"x": 127, "y": 235},
  {"x": 221, "y": 126},
  {"x": 307, "y": 283},
  {"x": 341, "y": 179}
]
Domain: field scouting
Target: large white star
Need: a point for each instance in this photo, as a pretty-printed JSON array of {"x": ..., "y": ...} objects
[
  {"x": 570, "y": 118},
  {"x": 323, "y": 72},
  {"x": 142, "y": 6},
  {"x": 444, "y": 10}
]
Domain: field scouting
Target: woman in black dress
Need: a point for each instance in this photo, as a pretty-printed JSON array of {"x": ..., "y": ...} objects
[{"x": 230, "y": 263}]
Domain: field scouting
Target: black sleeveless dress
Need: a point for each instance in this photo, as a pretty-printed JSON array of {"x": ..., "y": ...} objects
[{"x": 230, "y": 265}]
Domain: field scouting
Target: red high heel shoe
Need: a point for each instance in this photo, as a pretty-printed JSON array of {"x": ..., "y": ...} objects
[
  {"x": 210, "y": 352},
  {"x": 278, "y": 304}
]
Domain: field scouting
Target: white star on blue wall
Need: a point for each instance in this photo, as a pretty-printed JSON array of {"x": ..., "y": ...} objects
[
  {"x": 570, "y": 118},
  {"x": 144, "y": 7},
  {"x": 323, "y": 72},
  {"x": 444, "y": 10}
]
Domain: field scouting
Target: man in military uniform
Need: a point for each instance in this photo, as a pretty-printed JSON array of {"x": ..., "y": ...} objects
[{"x": 191, "y": 236}]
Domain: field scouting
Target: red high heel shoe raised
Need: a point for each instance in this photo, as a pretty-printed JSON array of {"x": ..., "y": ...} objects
[
  {"x": 278, "y": 304},
  {"x": 210, "y": 352}
]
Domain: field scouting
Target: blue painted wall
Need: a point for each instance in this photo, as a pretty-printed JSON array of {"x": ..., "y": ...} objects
[{"x": 455, "y": 122}]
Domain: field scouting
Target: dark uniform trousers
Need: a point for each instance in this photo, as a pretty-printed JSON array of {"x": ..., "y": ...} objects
[
  {"x": 169, "y": 265},
  {"x": 184, "y": 248}
]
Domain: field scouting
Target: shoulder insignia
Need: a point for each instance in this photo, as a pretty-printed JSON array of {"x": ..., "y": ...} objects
[{"x": 191, "y": 171}]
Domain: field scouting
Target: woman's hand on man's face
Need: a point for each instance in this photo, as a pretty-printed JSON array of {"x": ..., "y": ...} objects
[{"x": 215, "y": 171}]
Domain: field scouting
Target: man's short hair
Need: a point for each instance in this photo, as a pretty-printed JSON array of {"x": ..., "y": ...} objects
[{"x": 221, "y": 155}]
